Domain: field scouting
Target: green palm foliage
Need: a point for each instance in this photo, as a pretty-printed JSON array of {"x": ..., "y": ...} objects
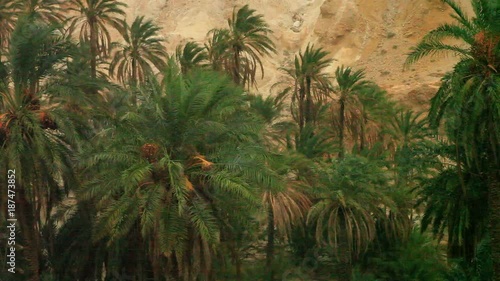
[
  {"x": 40, "y": 137},
  {"x": 191, "y": 55},
  {"x": 239, "y": 48},
  {"x": 310, "y": 84},
  {"x": 419, "y": 258},
  {"x": 455, "y": 209},
  {"x": 93, "y": 20},
  {"x": 286, "y": 202},
  {"x": 47, "y": 10},
  {"x": 350, "y": 84},
  {"x": 142, "y": 49},
  {"x": 410, "y": 143},
  {"x": 468, "y": 99},
  {"x": 216, "y": 49},
  {"x": 278, "y": 126},
  {"x": 9, "y": 11},
  {"x": 346, "y": 210},
  {"x": 181, "y": 183}
]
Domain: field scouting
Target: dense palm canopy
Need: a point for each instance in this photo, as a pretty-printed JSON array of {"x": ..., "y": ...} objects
[
  {"x": 180, "y": 171},
  {"x": 468, "y": 101},
  {"x": 173, "y": 182},
  {"x": 40, "y": 137}
]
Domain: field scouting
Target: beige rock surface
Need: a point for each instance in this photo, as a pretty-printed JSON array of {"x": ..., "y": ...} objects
[{"x": 372, "y": 34}]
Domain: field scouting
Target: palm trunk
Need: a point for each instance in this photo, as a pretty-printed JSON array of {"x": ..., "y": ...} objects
[
  {"x": 134, "y": 73},
  {"x": 344, "y": 266},
  {"x": 237, "y": 261},
  {"x": 134, "y": 81},
  {"x": 308, "y": 110},
  {"x": 494, "y": 223},
  {"x": 302, "y": 95},
  {"x": 93, "y": 51},
  {"x": 270, "y": 242},
  {"x": 342, "y": 125},
  {"x": 362, "y": 135},
  {"x": 30, "y": 235},
  {"x": 236, "y": 69}
]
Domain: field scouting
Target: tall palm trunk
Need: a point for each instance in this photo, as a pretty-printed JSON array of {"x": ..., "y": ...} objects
[
  {"x": 270, "y": 242},
  {"x": 309, "y": 103},
  {"x": 302, "y": 97},
  {"x": 494, "y": 223},
  {"x": 236, "y": 69},
  {"x": 362, "y": 135},
  {"x": 30, "y": 234},
  {"x": 133, "y": 81},
  {"x": 93, "y": 48},
  {"x": 342, "y": 126},
  {"x": 236, "y": 259},
  {"x": 344, "y": 266}
]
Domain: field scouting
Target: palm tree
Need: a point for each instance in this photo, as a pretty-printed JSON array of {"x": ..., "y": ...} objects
[
  {"x": 285, "y": 200},
  {"x": 39, "y": 138},
  {"x": 455, "y": 207},
  {"x": 216, "y": 48},
  {"x": 347, "y": 208},
  {"x": 310, "y": 84},
  {"x": 408, "y": 137},
  {"x": 182, "y": 183},
  {"x": 468, "y": 98},
  {"x": 190, "y": 56},
  {"x": 142, "y": 49},
  {"x": 286, "y": 204},
  {"x": 244, "y": 42},
  {"x": 47, "y": 10},
  {"x": 94, "y": 18},
  {"x": 349, "y": 86},
  {"x": 9, "y": 10}
]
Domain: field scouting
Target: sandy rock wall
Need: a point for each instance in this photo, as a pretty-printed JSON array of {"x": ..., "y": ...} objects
[{"x": 372, "y": 34}]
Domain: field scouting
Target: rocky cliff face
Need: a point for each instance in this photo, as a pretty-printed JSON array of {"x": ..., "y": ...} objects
[{"x": 372, "y": 34}]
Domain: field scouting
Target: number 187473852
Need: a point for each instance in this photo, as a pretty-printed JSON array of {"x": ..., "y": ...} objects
[{"x": 11, "y": 219}]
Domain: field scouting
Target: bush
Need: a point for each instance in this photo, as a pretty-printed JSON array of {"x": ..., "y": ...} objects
[{"x": 418, "y": 258}]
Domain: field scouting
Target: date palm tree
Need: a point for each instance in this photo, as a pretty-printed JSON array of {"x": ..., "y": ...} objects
[
  {"x": 310, "y": 84},
  {"x": 348, "y": 205},
  {"x": 350, "y": 84},
  {"x": 468, "y": 100},
  {"x": 142, "y": 49},
  {"x": 179, "y": 183},
  {"x": 285, "y": 199},
  {"x": 40, "y": 137},
  {"x": 216, "y": 48},
  {"x": 244, "y": 43},
  {"x": 93, "y": 19},
  {"x": 191, "y": 55}
]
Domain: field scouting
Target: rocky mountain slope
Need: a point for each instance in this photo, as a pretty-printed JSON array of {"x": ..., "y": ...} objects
[{"x": 372, "y": 34}]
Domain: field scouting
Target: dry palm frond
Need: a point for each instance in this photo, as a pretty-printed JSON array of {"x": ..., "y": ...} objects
[
  {"x": 200, "y": 160},
  {"x": 288, "y": 206}
]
